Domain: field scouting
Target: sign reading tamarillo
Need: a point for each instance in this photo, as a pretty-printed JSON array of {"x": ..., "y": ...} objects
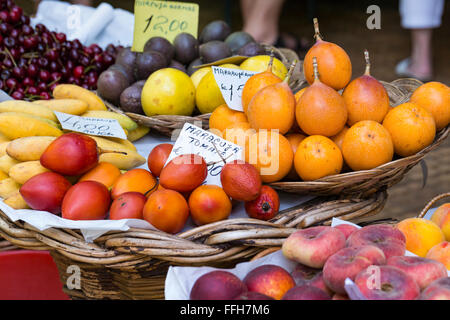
[
  {"x": 214, "y": 149},
  {"x": 231, "y": 83},
  {"x": 91, "y": 126}
]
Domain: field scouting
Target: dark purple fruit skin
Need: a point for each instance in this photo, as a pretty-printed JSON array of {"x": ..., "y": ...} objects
[
  {"x": 186, "y": 48},
  {"x": 111, "y": 84},
  {"x": 162, "y": 45},
  {"x": 148, "y": 62},
  {"x": 130, "y": 99},
  {"x": 215, "y": 30}
]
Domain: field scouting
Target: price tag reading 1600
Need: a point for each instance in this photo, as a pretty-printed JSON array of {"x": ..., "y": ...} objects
[{"x": 164, "y": 19}]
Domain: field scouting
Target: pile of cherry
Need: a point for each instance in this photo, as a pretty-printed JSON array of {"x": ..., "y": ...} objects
[{"x": 34, "y": 60}]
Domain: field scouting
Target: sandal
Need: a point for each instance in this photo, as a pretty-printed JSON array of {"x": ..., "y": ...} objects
[{"x": 402, "y": 70}]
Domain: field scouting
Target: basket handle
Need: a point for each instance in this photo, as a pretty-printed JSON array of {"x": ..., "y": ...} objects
[
  {"x": 265, "y": 252},
  {"x": 432, "y": 201}
]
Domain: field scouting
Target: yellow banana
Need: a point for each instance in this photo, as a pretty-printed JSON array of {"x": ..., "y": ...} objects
[
  {"x": 23, "y": 171},
  {"x": 3, "y": 146},
  {"x": 27, "y": 107},
  {"x": 6, "y": 162},
  {"x": 138, "y": 133},
  {"x": 71, "y": 106},
  {"x": 124, "y": 162},
  {"x": 17, "y": 125},
  {"x": 8, "y": 187},
  {"x": 28, "y": 148},
  {"x": 106, "y": 144},
  {"x": 72, "y": 91},
  {"x": 126, "y": 143},
  {"x": 3, "y": 138},
  {"x": 3, "y": 175},
  {"x": 16, "y": 201}
]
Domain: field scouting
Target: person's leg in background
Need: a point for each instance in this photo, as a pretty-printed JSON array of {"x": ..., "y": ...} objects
[
  {"x": 261, "y": 20},
  {"x": 421, "y": 17}
]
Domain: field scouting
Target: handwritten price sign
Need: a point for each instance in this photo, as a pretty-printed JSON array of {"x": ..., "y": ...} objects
[
  {"x": 163, "y": 19},
  {"x": 211, "y": 147},
  {"x": 231, "y": 83},
  {"x": 91, "y": 126}
]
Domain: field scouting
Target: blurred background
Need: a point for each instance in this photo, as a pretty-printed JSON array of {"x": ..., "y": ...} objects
[{"x": 344, "y": 22}]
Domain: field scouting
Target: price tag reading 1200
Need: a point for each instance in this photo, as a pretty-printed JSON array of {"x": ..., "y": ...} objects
[{"x": 163, "y": 19}]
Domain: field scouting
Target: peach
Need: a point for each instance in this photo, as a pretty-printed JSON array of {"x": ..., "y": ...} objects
[
  {"x": 441, "y": 253},
  {"x": 389, "y": 239},
  {"x": 305, "y": 292},
  {"x": 348, "y": 262},
  {"x": 424, "y": 271},
  {"x": 252, "y": 295},
  {"x": 437, "y": 290},
  {"x": 388, "y": 283},
  {"x": 217, "y": 285},
  {"x": 304, "y": 275},
  {"x": 313, "y": 246},
  {"x": 421, "y": 235},
  {"x": 442, "y": 218},
  {"x": 269, "y": 279},
  {"x": 347, "y": 229}
]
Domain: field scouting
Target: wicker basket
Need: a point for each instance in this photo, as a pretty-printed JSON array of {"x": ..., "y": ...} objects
[
  {"x": 134, "y": 264},
  {"x": 166, "y": 124},
  {"x": 367, "y": 181}
]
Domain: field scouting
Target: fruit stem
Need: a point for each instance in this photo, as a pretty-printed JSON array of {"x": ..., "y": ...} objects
[
  {"x": 269, "y": 66},
  {"x": 366, "y": 57},
  {"x": 291, "y": 70},
  {"x": 317, "y": 35},
  {"x": 152, "y": 188},
  {"x": 316, "y": 69}
]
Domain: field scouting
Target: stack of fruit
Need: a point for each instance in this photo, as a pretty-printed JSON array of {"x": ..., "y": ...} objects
[
  {"x": 372, "y": 257},
  {"x": 164, "y": 68},
  {"x": 316, "y": 131},
  {"x": 181, "y": 192},
  {"x": 27, "y": 129},
  {"x": 35, "y": 60}
]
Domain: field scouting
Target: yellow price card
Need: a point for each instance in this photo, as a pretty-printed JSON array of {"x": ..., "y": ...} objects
[{"x": 163, "y": 19}]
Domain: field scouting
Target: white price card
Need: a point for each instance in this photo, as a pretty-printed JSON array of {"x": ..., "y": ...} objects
[
  {"x": 195, "y": 140},
  {"x": 231, "y": 83},
  {"x": 91, "y": 126}
]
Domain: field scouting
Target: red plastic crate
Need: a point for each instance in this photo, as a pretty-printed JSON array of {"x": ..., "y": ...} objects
[{"x": 29, "y": 275}]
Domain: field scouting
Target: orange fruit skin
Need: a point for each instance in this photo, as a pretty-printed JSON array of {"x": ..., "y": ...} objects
[
  {"x": 167, "y": 210},
  {"x": 239, "y": 134},
  {"x": 317, "y": 157},
  {"x": 321, "y": 111},
  {"x": 412, "y": 128},
  {"x": 271, "y": 153},
  {"x": 299, "y": 93},
  {"x": 334, "y": 65},
  {"x": 157, "y": 158},
  {"x": 224, "y": 117},
  {"x": 339, "y": 138},
  {"x": 273, "y": 107},
  {"x": 366, "y": 145},
  {"x": 365, "y": 99},
  {"x": 294, "y": 139},
  {"x": 209, "y": 203},
  {"x": 435, "y": 97},
  {"x": 137, "y": 180},
  {"x": 256, "y": 83},
  {"x": 104, "y": 172}
]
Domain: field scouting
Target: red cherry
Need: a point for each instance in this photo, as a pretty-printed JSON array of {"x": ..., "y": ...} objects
[{"x": 78, "y": 72}]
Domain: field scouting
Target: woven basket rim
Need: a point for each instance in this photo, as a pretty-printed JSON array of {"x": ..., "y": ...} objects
[{"x": 222, "y": 241}]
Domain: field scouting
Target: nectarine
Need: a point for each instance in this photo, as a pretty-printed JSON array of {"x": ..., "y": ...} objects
[{"x": 217, "y": 285}]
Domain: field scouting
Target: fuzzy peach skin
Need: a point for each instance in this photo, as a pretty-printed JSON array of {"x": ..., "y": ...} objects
[
  {"x": 268, "y": 279},
  {"x": 347, "y": 229},
  {"x": 390, "y": 240},
  {"x": 441, "y": 253},
  {"x": 313, "y": 246},
  {"x": 421, "y": 235},
  {"x": 348, "y": 262},
  {"x": 437, "y": 290},
  {"x": 217, "y": 285},
  {"x": 442, "y": 218},
  {"x": 423, "y": 270},
  {"x": 305, "y": 292},
  {"x": 394, "y": 284},
  {"x": 304, "y": 275}
]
